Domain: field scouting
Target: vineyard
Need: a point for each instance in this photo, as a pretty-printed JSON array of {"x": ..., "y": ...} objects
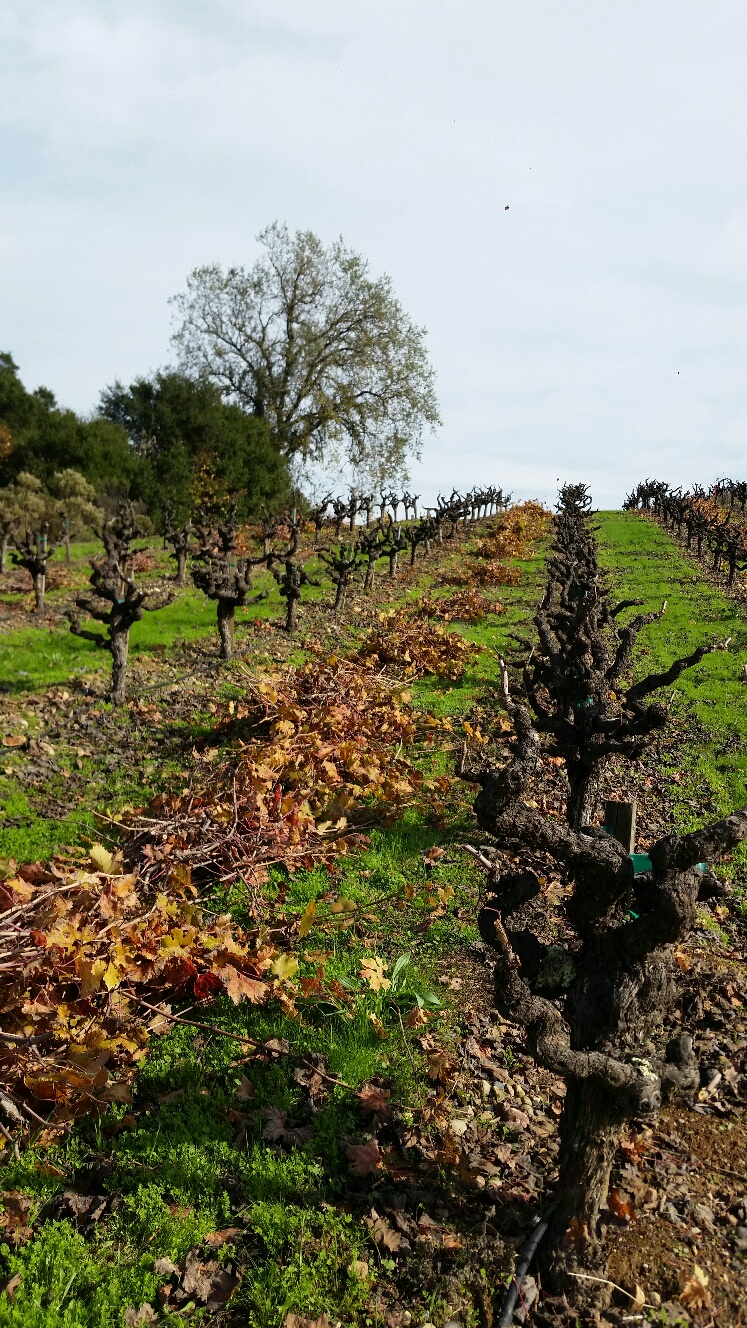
[{"x": 331, "y": 994}]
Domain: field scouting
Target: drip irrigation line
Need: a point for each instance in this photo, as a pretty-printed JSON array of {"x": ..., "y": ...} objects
[{"x": 525, "y": 1258}]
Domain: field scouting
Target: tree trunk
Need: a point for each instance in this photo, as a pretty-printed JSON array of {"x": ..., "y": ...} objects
[
  {"x": 40, "y": 584},
  {"x": 589, "y": 1133},
  {"x": 66, "y": 540},
  {"x": 226, "y": 624},
  {"x": 181, "y": 566},
  {"x": 393, "y": 558},
  {"x": 583, "y": 795},
  {"x": 369, "y": 578},
  {"x": 120, "y": 646},
  {"x": 4, "y": 542},
  {"x": 340, "y": 596},
  {"x": 290, "y": 615},
  {"x": 413, "y": 551}
]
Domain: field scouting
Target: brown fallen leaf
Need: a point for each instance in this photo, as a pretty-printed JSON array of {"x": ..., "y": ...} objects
[
  {"x": 10, "y": 1288},
  {"x": 384, "y": 1234},
  {"x": 416, "y": 1018},
  {"x": 278, "y": 1046},
  {"x": 15, "y": 740},
  {"x": 441, "y": 1065},
  {"x": 245, "y": 1090},
  {"x": 136, "y": 1318},
  {"x": 276, "y": 1130},
  {"x": 208, "y": 1282},
  {"x": 311, "y": 1073},
  {"x": 295, "y": 1321},
  {"x": 84, "y": 1208},
  {"x": 120, "y": 1092},
  {"x": 13, "y": 1219},
  {"x": 373, "y": 1098},
  {"x": 165, "y": 1268},
  {"x": 241, "y": 987},
  {"x": 217, "y": 1238},
  {"x": 695, "y": 1294},
  {"x": 364, "y": 1158}
]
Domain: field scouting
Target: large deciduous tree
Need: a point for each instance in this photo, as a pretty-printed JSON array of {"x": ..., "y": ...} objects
[
  {"x": 41, "y": 438},
  {"x": 308, "y": 340},
  {"x": 179, "y": 429}
]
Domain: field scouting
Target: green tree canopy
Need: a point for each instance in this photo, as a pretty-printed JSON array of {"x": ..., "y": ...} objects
[
  {"x": 42, "y": 439},
  {"x": 307, "y": 340},
  {"x": 181, "y": 429}
]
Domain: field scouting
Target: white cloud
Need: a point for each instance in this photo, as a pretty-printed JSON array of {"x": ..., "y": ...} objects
[{"x": 142, "y": 137}]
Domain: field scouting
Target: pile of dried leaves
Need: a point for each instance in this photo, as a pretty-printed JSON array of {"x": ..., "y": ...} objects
[
  {"x": 88, "y": 954},
  {"x": 468, "y": 606},
  {"x": 415, "y": 649},
  {"x": 327, "y": 743},
  {"x": 511, "y": 535}
]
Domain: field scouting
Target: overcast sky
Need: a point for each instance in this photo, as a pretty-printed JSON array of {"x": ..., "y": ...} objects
[{"x": 596, "y": 330}]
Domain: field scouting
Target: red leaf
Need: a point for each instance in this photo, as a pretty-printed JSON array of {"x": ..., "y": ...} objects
[
  {"x": 620, "y": 1204},
  {"x": 180, "y": 972},
  {"x": 206, "y": 985}
]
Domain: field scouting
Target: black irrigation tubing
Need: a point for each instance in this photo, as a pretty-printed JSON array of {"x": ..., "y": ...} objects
[{"x": 525, "y": 1258}]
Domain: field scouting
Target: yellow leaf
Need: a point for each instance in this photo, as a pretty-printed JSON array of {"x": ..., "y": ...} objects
[
  {"x": 372, "y": 971},
  {"x": 307, "y": 918},
  {"x": 343, "y": 906},
  {"x": 104, "y": 861},
  {"x": 695, "y": 1293},
  {"x": 90, "y": 974},
  {"x": 379, "y": 1028},
  {"x": 285, "y": 966},
  {"x": 111, "y": 977},
  {"x": 283, "y": 729}
]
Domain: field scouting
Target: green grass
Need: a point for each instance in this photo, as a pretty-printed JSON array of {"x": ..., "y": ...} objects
[
  {"x": 647, "y": 564},
  {"x": 708, "y": 703}
]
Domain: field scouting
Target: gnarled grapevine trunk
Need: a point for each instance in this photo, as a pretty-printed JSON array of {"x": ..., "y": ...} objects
[
  {"x": 589, "y": 1133},
  {"x": 181, "y": 566},
  {"x": 226, "y": 626},
  {"x": 120, "y": 643},
  {"x": 40, "y": 586},
  {"x": 582, "y": 807}
]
